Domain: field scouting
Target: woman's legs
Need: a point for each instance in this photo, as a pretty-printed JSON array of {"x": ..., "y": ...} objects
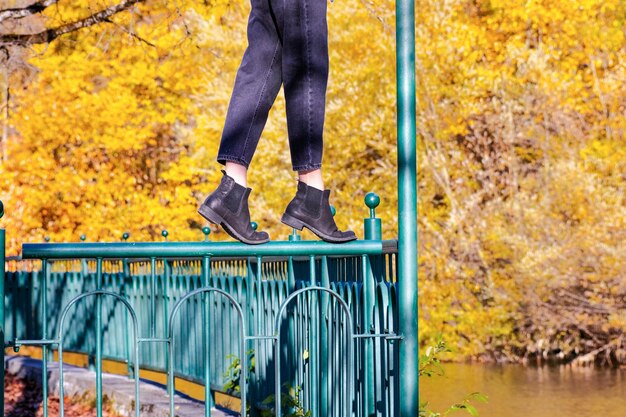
[
  {"x": 286, "y": 44},
  {"x": 256, "y": 86},
  {"x": 305, "y": 78},
  {"x": 257, "y": 83}
]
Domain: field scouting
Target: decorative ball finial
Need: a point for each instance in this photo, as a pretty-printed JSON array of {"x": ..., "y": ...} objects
[
  {"x": 126, "y": 235},
  {"x": 372, "y": 226},
  {"x": 333, "y": 210},
  {"x": 164, "y": 233},
  {"x": 207, "y": 231},
  {"x": 83, "y": 237},
  {"x": 254, "y": 225},
  {"x": 372, "y": 200},
  {"x": 1, "y": 209}
]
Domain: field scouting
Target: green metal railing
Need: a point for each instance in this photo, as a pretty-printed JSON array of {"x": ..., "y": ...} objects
[{"x": 242, "y": 295}]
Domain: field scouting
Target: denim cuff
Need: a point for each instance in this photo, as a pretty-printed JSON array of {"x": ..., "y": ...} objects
[
  {"x": 307, "y": 167},
  {"x": 222, "y": 159}
]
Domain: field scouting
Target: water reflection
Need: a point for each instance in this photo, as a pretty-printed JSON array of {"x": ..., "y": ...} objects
[{"x": 517, "y": 391}]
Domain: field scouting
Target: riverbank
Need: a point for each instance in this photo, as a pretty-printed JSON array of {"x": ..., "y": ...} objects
[{"x": 522, "y": 391}]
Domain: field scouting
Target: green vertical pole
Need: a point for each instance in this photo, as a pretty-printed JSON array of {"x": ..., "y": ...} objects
[
  {"x": 314, "y": 342},
  {"x": 167, "y": 274},
  {"x": 260, "y": 351},
  {"x": 99, "y": 339},
  {"x": 325, "y": 325},
  {"x": 249, "y": 297},
  {"x": 44, "y": 334},
  {"x": 291, "y": 354},
  {"x": 152, "y": 297},
  {"x": 153, "y": 350},
  {"x": 126, "y": 274},
  {"x": 2, "y": 266},
  {"x": 206, "y": 274},
  {"x": 407, "y": 207},
  {"x": 372, "y": 231},
  {"x": 369, "y": 405}
]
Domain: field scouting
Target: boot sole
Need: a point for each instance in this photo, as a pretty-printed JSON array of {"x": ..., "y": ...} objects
[
  {"x": 215, "y": 218},
  {"x": 291, "y": 221}
]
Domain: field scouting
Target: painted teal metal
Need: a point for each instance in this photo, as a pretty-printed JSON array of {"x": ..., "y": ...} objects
[
  {"x": 98, "y": 339},
  {"x": 119, "y": 250},
  {"x": 259, "y": 283},
  {"x": 276, "y": 277},
  {"x": 44, "y": 332},
  {"x": 372, "y": 226},
  {"x": 206, "y": 272},
  {"x": 60, "y": 338},
  {"x": 407, "y": 207},
  {"x": 171, "y": 344},
  {"x": 349, "y": 363}
]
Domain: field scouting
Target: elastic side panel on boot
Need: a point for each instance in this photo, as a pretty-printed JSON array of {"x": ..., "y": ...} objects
[
  {"x": 313, "y": 201},
  {"x": 234, "y": 197}
]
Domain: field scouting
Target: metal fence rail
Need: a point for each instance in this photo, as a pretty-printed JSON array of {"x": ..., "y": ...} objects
[
  {"x": 325, "y": 312},
  {"x": 152, "y": 298}
]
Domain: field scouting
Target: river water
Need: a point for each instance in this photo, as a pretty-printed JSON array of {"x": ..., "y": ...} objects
[{"x": 518, "y": 391}]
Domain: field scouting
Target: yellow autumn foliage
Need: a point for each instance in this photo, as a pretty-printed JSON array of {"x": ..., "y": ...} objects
[{"x": 521, "y": 150}]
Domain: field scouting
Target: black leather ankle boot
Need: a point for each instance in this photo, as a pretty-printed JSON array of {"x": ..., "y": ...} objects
[
  {"x": 228, "y": 207},
  {"x": 310, "y": 208}
]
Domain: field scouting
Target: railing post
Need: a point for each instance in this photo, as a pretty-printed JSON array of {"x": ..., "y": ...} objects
[
  {"x": 99, "y": 330},
  {"x": 250, "y": 303},
  {"x": 290, "y": 349},
  {"x": 290, "y": 354},
  {"x": 325, "y": 326},
  {"x": 165, "y": 284},
  {"x": 126, "y": 275},
  {"x": 407, "y": 208},
  {"x": 314, "y": 339},
  {"x": 206, "y": 332},
  {"x": 372, "y": 231},
  {"x": 153, "y": 284},
  {"x": 2, "y": 267},
  {"x": 372, "y": 226},
  {"x": 369, "y": 405},
  {"x": 45, "y": 274},
  {"x": 83, "y": 262}
]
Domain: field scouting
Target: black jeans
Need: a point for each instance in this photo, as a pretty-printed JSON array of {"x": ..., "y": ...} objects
[{"x": 287, "y": 44}]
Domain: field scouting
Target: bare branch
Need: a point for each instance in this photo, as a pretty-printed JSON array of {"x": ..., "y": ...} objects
[
  {"x": 21, "y": 12},
  {"x": 130, "y": 32},
  {"x": 49, "y": 35}
]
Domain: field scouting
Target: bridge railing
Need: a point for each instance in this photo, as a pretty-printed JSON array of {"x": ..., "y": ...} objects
[{"x": 124, "y": 301}]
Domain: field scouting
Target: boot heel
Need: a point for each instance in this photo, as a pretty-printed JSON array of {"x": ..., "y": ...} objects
[
  {"x": 292, "y": 221},
  {"x": 210, "y": 215}
]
